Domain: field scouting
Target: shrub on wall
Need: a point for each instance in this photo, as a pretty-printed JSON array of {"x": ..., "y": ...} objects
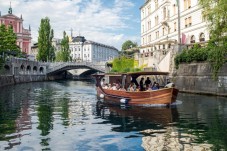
[
  {"x": 214, "y": 52},
  {"x": 124, "y": 64}
]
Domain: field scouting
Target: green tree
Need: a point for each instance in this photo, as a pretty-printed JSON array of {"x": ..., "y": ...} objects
[
  {"x": 46, "y": 35},
  {"x": 216, "y": 14},
  {"x": 64, "y": 54},
  {"x": 128, "y": 44},
  {"x": 11, "y": 40}
]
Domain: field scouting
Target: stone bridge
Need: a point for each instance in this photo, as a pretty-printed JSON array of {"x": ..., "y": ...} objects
[
  {"x": 20, "y": 67},
  {"x": 59, "y": 67}
]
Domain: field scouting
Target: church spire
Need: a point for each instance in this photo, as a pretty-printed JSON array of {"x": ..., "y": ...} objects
[{"x": 10, "y": 9}]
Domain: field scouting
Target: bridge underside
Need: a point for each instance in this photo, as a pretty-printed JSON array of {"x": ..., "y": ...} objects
[{"x": 63, "y": 73}]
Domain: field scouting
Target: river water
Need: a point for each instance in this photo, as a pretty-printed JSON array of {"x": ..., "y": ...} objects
[{"x": 66, "y": 116}]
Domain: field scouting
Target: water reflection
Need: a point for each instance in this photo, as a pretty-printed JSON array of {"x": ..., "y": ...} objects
[
  {"x": 66, "y": 115},
  {"x": 136, "y": 118}
]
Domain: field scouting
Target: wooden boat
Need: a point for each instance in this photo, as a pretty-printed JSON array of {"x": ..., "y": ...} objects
[{"x": 161, "y": 96}]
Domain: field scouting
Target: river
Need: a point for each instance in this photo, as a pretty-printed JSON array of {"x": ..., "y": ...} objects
[{"x": 66, "y": 116}]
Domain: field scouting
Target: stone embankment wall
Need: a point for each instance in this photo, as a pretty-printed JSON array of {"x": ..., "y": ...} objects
[
  {"x": 10, "y": 79},
  {"x": 197, "y": 78},
  {"x": 18, "y": 70}
]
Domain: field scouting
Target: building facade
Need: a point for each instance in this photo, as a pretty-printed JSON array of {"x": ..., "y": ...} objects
[
  {"x": 162, "y": 29},
  {"x": 86, "y": 50},
  {"x": 23, "y": 35}
]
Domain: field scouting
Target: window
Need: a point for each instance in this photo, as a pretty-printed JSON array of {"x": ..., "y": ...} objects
[
  {"x": 164, "y": 46},
  {"x": 163, "y": 31},
  {"x": 187, "y": 4},
  {"x": 168, "y": 30},
  {"x": 192, "y": 39},
  {"x": 149, "y": 9},
  {"x": 175, "y": 26},
  {"x": 164, "y": 12},
  {"x": 149, "y": 38},
  {"x": 186, "y": 22},
  {"x": 156, "y": 4},
  {"x": 157, "y": 34},
  {"x": 156, "y": 20},
  {"x": 174, "y": 9},
  {"x": 189, "y": 21},
  {"x": 201, "y": 37},
  {"x": 149, "y": 25}
]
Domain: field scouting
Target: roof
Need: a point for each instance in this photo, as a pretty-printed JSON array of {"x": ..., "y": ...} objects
[{"x": 11, "y": 16}]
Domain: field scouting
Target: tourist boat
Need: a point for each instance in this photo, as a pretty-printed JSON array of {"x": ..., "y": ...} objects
[{"x": 164, "y": 95}]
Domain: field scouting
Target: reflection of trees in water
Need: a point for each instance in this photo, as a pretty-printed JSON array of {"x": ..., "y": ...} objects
[
  {"x": 45, "y": 112},
  {"x": 65, "y": 111},
  {"x": 205, "y": 118},
  {"x": 8, "y": 115},
  {"x": 216, "y": 133},
  {"x": 213, "y": 133},
  {"x": 13, "y": 113}
]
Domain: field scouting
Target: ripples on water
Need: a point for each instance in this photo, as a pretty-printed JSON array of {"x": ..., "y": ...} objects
[{"x": 66, "y": 115}]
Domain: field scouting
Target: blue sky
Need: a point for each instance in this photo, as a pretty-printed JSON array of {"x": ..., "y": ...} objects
[{"x": 110, "y": 22}]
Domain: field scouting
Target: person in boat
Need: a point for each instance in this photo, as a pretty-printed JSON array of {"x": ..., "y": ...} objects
[
  {"x": 105, "y": 86},
  {"x": 135, "y": 82},
  {"x": 103, "y": 82},
  {"x": 142, "y": 84},
  {"x": 109, "y": 86},
  {"x": 114, "y": 87},
  {"x": 147, "y": 82},
  {"x": 132, "y": 87},
  {"x": 155, "y": 87},
  {"x": 122, "y": 89}
]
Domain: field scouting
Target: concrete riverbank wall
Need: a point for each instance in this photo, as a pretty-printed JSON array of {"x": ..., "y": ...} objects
[{"x": 197, "y": 78}]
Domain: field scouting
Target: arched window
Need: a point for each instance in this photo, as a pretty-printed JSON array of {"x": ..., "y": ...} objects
[
  {"x": 192, "y": 39},
  {"x": 6, "y": 67},
  {"x": 28, "y": 68},
  {"x": 201, "y": 37},
  {"x": 34, "y": 69},
  {"x": 22, "y": 67},
  {"x": 41, "y": 69}
]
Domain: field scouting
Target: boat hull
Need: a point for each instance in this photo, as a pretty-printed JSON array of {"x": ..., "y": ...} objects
[{"x": 162, "y": 96}]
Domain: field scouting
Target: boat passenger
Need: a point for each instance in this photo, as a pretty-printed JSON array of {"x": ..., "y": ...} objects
[
  {"x": 155, "y": 87},
  {"x": 131, "y": 87},
  {"x": 105, "y": 86},
  {"x": 141, "y": 85},
  {"x": 122, "y": 89},
  {"x": 147, "y": 82},
  {"x": 103, "y": 82},
  {"x": 109, "y": 86},
  {"x": 114, "y": 87}
]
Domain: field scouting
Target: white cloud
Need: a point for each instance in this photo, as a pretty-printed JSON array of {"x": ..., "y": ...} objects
[{"x": 90, "y": 18}]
